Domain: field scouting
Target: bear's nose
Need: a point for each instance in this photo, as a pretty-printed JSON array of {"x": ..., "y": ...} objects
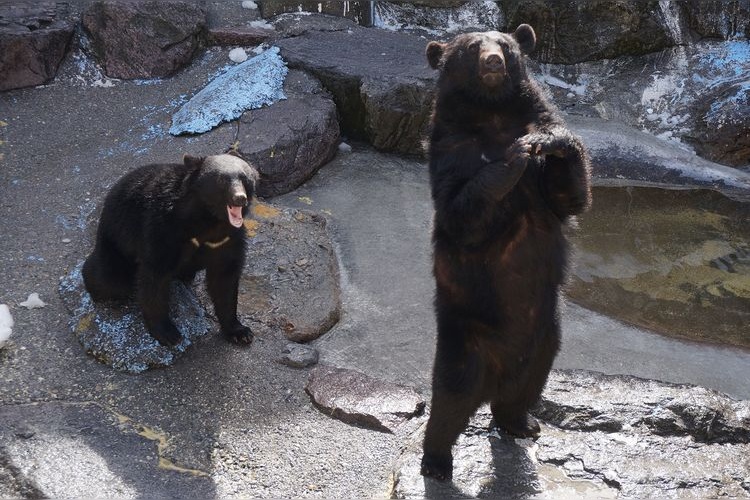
[
  {"x": 239, "y": 200},
  {"x": 494, "y": 62}
]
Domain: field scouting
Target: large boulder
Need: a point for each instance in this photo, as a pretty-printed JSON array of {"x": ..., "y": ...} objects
[
  {"x": 602, "y": 437},
  {"x": 291, "y": 139},
  {"x": 33, "y": 42},
  {"x": 722, "y": 132},
  {"x": 291, "y": 276},
  {"x": 358, "y": 399},
  {"x": 381, "y": 83},
  {"x": 571, "y": 32},
  {"x": 717, "y": 18},
  {"x": 144, "y": 39}
]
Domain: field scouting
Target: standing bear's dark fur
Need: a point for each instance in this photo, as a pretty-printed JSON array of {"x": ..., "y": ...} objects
[
  {"x": 168, "y": 221},
  {"x": 505, "y": 175}
]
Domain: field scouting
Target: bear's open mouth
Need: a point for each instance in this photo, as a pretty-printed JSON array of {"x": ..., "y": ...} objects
[{"x": 235, "y": 215}]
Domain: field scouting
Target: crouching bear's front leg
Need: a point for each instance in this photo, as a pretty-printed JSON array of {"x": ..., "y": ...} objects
[{"x": 222, "y": 281}]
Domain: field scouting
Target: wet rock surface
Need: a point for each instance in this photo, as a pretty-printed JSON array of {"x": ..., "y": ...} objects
[
  {"x": 602, "y": 437},
  {"x": 675, "y": 261},
  {"x": 358, "y": 399},
  {"x": 143, "y": 38},
  {"x": 291, "y": 139},
  {"x": 33, "y": 42},
  {"x": 722, "y": 131},
  {"x": 389, "y": 107},
  {"x": 114, "y": 333},
  {"x": 291, "y": 277}
]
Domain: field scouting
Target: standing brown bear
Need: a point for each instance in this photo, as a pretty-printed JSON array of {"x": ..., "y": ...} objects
[{"x": 506, "y": 176}]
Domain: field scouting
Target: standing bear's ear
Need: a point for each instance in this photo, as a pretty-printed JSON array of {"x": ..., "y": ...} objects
[
  {"x": 525, "y": 37},
  {"x": 434, "y": 52},
  {"x": 192, "y": 161}
]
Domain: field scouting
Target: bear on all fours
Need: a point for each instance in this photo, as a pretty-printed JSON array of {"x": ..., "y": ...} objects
[
  {"x": 506, "y": 175},
  {"x": 166, "y": 222}
]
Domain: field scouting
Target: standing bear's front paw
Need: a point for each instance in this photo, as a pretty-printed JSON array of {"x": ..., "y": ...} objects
[
  {"x": 239, "y": 334},
  {"x": 545, "y": 143},
  {"x": 437, "y": 466}
]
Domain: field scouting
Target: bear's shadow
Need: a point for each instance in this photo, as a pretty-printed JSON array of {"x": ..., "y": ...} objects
[{"x": 114, "y": 332}]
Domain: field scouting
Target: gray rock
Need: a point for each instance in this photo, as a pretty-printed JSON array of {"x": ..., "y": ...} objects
[
  {"x": 115, "y": 333},
  {"x": 291, "y": 139},
  {"x": 245, "y": 36},
  {"x": 299, "y": 355},
  {"x": 596, "y": 30},
  {"x": 33, "y": 41},
  {"x": 358, "y": 399},
  {"x": 291, "y": 277},
  {"x": 144, "y": 38},
  {"x": 717, "y": 19},
  {"x": 723, "y": 133},
  {"x": 602, "y": 437},
  {"x": 619, "y": 151},
  {"x": 389, "y": 107}
]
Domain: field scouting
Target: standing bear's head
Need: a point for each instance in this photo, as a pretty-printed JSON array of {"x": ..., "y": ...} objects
[{"x": 487, "y": 65}]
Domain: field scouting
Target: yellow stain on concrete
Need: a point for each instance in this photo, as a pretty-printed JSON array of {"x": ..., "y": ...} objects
[
  {"x": 84, "y": 323},
  {"x": 306, "y": 200},
  {"x": 162, "y": 441},
  {"x": 265, "y": 211},
  {"x": 251, "y": 227}
]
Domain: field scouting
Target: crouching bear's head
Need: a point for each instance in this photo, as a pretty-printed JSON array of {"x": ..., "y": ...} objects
[
  {"x": 224, "y": 184},
  {"x": 487, "y": 65}
]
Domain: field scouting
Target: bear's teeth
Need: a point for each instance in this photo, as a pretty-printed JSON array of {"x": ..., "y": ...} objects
[{"x": 235, "y": 215}]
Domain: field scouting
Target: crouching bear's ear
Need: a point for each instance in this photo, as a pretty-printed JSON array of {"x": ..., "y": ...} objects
[
  {"x": 192, "y": 161},
  {"x": 525, "y": 37},
  {"x": 434, "y": 53}
]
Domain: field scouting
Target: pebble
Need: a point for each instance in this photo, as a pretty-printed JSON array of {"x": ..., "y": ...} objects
[
  {"x": 298, "y": 355},
  {"x": 238, "y": 55}
]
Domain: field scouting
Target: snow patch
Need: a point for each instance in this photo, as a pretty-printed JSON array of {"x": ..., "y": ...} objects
[
  {"x": 33, "y": 302},
  {"x": 247, "y": 4},
  {"x": 252, "y": 84},
  {"x": 238, "y": 55},
  {"x": 6, "y": 325}
]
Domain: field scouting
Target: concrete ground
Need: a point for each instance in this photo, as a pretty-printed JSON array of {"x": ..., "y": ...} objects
[{"x": 225, "y": 420}]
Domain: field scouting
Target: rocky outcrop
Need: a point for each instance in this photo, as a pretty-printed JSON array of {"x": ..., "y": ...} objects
[
  {"x": 357, "y": 399},
  {"x": 291, "y": 278},
  {"x": 588, "y": 31},
  {"x": 387, "y": 106},
  {"x": 602, "y": 437},
  {"x": 722, "y": 132},
  {"x": 33, "y": 42},
  {"x": 291, "y": 139},
  {"x": 244, "y": 36},
  {"x": 143, "y": 38},
  {"x": 115, "y": 333}
]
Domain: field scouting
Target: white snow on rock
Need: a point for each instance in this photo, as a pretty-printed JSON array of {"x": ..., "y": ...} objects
[
  {"x": 252, "y": 84},
  {"x": 345, "y": 148},
  {"x": 33, "y": 302},
  {"x": 238, "y": 55},
  {"x": 247, "y": 4},
  {"x": 6, "y": 324}
]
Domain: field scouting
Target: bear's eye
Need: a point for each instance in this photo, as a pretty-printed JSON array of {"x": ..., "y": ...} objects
[{"x": 474, "y": 47}]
